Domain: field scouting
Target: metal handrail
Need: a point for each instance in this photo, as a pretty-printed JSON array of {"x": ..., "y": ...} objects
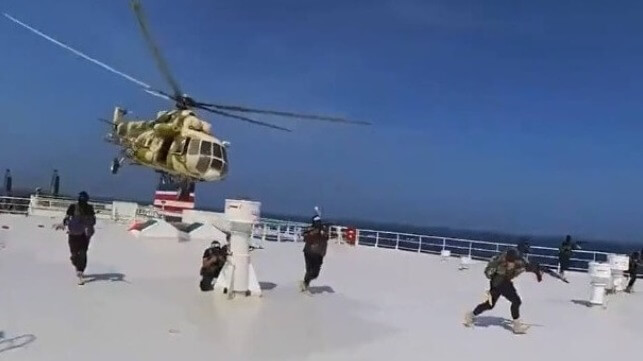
[{"x": 282, "y": 230}]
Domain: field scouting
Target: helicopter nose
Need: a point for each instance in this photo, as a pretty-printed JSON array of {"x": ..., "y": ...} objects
[{"x": 213, "y": 175}]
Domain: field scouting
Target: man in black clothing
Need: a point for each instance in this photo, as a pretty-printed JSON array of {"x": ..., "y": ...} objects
[
  {"x": 633, "y": 270},
  {"x": 80, "y": 221},
  {"x": 213, "y": 260},
  {"x": 565, "y": 253},
  {"x": 316, "y": 243}
]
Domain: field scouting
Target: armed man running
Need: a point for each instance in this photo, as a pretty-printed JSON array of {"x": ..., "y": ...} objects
[
  {"x": 316, "y": 239},
  {"x": 80, "y": 221},
  {"x": 500, "y": 271},
  {"x": 565, "y": 253}
]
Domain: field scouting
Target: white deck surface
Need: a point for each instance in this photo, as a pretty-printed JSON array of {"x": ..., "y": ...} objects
[{"x": 373, "y": 304}]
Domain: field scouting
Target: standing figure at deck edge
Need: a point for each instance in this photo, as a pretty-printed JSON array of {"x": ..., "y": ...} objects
[
  {"x": 316, "y": 239},
  {"x": 500, "y": 271}
]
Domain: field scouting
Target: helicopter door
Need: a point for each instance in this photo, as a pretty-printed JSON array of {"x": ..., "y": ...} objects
[
  {"x": 164, "y": 150},
  {"x": 186, "y": 144}
]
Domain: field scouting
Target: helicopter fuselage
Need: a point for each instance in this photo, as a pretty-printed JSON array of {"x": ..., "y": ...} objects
[{"x": 176, "y": 142}]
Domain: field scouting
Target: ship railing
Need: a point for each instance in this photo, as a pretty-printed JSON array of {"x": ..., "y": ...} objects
[
  {"x": 272, "y": 230},
  {"x": 409, "y": 242},
  {"x": 14, "y": 205},
  {"x": 54, "y": 206}
]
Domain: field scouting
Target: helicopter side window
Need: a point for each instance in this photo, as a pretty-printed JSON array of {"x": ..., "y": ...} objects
[{"x": 206, "y": 148}]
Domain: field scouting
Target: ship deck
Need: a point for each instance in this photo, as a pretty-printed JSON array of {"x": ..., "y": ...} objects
[{"x": 143, "y": 303}]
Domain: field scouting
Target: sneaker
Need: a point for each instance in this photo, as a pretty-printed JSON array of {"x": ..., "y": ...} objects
[
  {"x": 302, "y": 286},
  {"x": 81, "y": 279},
  {"x": 519, "y": 327},
  {"x": 468, "y": 319}
]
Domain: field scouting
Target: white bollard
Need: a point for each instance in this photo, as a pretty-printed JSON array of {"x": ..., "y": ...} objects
[
  {"x": 445, "y": 254},
  {"x": 600, "y": 274}
]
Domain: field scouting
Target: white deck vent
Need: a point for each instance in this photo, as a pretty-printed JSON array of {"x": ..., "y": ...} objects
[
  {"x": 601, "y": 274},
  {"x": 238, "y": 274},
  {"x": 619, "y": 263}
]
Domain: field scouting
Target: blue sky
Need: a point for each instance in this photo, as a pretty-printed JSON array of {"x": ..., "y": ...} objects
[{"x": 504, "y": 115}]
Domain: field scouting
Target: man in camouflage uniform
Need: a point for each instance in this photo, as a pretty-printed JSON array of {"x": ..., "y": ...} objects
[{"x": 500, "y": 271}]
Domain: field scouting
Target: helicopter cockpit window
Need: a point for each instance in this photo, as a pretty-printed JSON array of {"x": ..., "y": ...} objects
[
  {"x": 216, "y": 150},
  {"x": 206, "y": 148},
  {"x": 210, "y": 155},
  {"x": 193, "y": 148},
  {"x": 216, "y": 164},
  {"x": 202, "y": 164}
]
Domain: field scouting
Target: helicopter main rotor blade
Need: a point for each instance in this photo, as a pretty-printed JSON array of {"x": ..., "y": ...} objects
[
  {"x": 77, "y": 52},
  {"x": 284, "y": 114},
  {"x": 240, "y": 117},
  {"x": 160, "y": 94},
  {"x": 156, "y": 52}
]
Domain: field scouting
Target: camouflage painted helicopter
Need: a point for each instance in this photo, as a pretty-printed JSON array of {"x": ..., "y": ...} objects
[{"x": 177, "y": 143}]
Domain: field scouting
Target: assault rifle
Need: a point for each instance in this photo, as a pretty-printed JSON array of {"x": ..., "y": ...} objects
[{"x": 553, "y": 273}]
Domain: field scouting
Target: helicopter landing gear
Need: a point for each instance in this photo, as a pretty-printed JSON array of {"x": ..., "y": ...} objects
[
  {"x": 184, "y": 190},
  {"x": 183, "y": 187}
]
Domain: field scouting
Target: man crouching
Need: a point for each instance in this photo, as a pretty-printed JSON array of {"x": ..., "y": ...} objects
[{"x": 213, "y": 260}]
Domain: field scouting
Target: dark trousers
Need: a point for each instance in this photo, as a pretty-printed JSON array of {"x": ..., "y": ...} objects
[
  {"x": 632, "y": 280},
  {"x": 206, "y": 282},
  {"x": 208, "y": 276},
  {"x": 78, "y": 245},
  {"x": 564, "y": 264},
  {"x": 313, "y": 266},
  {"x": 508, "y": 291}
]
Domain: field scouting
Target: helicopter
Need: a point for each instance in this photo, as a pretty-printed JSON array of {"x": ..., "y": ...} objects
[{"x": 177, "y": 143}]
